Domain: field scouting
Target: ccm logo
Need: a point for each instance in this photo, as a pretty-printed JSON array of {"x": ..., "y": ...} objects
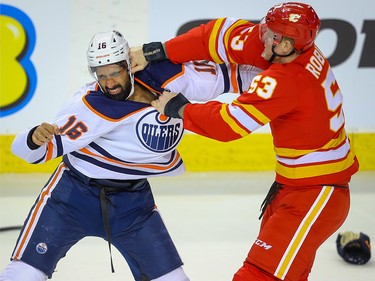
[{"x": 262, "y": 244}]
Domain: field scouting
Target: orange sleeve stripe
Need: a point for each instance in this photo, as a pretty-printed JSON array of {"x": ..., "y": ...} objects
[
  {"x": 49, "y": 151},
  {"x": 233, "y": 77},
  {"x": 174, "y": 77},
  {"x": 147, "y": 86},
  {"x": 164, "y": 84}
]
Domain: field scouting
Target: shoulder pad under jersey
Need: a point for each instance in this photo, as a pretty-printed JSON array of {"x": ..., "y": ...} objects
[
  {"x": 109, "y": 109},
  {"x": 156, "y": 75}
]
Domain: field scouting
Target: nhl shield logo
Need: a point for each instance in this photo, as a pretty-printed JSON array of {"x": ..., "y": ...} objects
[{"x": 159, "y": 133}]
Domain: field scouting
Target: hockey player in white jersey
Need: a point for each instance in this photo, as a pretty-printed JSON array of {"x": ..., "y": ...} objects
[{"x": 111, "y": 140}]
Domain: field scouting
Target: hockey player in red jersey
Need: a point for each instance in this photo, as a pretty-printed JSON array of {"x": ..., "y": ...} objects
[{"x": 298, "y": 95}]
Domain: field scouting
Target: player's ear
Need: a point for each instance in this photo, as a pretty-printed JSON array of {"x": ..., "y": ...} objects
[{"x": 288, "y": 45}]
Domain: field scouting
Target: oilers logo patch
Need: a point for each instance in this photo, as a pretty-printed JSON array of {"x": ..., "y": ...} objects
[
  {"x": 41, "y": 248},
  {"x": 159, "y": 133}
]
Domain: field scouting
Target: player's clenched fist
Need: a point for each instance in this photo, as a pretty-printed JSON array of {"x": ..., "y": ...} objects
[{"x": 44, "y": 133}]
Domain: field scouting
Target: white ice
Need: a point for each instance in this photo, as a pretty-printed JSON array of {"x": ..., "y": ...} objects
[{"x": 212, "y": 218}]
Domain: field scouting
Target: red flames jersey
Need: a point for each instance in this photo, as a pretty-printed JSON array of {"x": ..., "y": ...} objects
[{"x": 301, "y": 100}]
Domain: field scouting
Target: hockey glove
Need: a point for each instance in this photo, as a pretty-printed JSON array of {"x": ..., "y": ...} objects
[
  {"x": 173, "y": 106},
  {"x": 154, "y": 52},
  {"x": 354, "y": 248}
]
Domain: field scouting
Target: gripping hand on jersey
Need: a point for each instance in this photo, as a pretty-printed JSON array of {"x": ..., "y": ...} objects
[
  {"x": 140, "y": 56},
  {"x": 44, "y": 133},
  {"x": 171, "y": 104},
  {"x": 137, "y": 59}
]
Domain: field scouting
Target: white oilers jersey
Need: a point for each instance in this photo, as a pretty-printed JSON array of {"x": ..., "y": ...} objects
[
  {"x": 109, "y": 139},
  {"x": 197, "y": 80}
]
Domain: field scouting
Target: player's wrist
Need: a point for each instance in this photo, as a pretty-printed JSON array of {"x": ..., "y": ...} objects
[
  {"x": 154, "y": 52},
  {"x": 181, "y": 111},
  {"x": 175, "y": 106},
  {"x": 30, "y": 139}
]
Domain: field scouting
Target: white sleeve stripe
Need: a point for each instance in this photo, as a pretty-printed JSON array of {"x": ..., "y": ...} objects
[{"x": 244, "y": 119}]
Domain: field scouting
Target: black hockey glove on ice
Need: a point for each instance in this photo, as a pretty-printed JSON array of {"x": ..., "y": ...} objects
[
  {"x": 354, "y": 248},
  {"x": 154, "y": 52},
  {"x": 174, "y": 105}
]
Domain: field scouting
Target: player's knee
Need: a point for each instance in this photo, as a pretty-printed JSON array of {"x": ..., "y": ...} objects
[
  {"x": 20, "y": 271},
  {"x": 175, "y": 275}
]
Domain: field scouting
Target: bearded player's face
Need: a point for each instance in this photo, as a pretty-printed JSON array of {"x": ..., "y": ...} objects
[{"x": 114, "y": 81}]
